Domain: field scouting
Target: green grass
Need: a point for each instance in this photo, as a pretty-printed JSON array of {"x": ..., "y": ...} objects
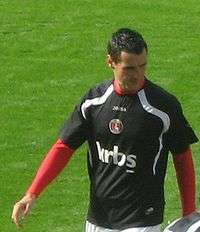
[{"x": 51, "y": 53}]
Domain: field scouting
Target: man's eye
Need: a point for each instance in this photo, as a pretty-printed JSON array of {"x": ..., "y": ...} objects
[{"x": 129, "y": 68}]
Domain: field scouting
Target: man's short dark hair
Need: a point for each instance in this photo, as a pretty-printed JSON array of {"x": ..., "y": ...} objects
[{"x": 126, "y": 40}]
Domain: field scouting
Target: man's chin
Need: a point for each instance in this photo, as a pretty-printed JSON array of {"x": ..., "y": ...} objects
[{"x": 129, "y": 87}]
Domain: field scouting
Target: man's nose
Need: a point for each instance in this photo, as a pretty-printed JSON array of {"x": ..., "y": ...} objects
[{"x": 137, "y": 72}]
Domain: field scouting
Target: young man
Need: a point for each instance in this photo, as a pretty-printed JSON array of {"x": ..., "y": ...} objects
[{"x": 130, "y": 125}]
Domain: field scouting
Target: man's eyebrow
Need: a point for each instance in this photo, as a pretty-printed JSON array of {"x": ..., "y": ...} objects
[{"x": 132, "y": 66}]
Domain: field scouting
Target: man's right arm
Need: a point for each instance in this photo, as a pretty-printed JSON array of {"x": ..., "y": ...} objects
[
  {"x": 52, "y": 165},
  {"x": 74, "y": 133}
]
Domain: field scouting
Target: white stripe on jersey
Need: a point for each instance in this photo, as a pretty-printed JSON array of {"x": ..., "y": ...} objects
[
  {"x": 96, "y": 101},
  {"x": 162, "y": 115}
]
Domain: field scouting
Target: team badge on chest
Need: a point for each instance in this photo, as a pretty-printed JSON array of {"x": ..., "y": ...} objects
[{"x": 116, "y": 126}]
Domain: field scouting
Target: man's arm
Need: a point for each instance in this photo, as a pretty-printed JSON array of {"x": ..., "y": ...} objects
[
  {"x": 185, "y": 173},
  {"x": 52, "y": 165}
]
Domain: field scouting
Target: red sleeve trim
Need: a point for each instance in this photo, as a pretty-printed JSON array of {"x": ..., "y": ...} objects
[
  {"x": 52, "y": 165},
  {"x": 186, "y": 180}
]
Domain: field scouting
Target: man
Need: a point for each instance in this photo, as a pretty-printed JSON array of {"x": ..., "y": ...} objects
[{"x": 130, "y": 125}]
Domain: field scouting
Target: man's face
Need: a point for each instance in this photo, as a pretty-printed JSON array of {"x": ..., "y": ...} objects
[{"x": 130, "y": 70}]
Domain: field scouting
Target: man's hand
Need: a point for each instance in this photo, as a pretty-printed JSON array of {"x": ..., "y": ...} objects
[{"x": 22, "y": 208}]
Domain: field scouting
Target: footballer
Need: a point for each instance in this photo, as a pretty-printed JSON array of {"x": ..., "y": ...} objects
[{"x": 130, "y": 125}]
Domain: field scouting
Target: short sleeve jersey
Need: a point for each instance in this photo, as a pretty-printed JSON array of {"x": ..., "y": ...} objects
[{"x": 129, "y": 138}]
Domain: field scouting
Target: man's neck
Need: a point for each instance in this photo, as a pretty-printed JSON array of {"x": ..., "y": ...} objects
[{"x": 121, "y": 91}]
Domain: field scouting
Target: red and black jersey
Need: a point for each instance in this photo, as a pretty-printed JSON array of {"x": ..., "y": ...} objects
[{"x": 129, "y": 138}]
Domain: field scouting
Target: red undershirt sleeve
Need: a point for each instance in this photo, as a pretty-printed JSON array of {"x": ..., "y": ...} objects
[
  {"x": 52, "y": 165},
  {"x": 186, "y": 180}
]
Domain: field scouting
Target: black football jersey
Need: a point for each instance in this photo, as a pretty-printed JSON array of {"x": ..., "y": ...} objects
[{"x": 129, "y": 138}]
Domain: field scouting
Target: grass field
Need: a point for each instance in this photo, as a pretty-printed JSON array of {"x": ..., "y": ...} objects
[{"x": 51, "y": 53}]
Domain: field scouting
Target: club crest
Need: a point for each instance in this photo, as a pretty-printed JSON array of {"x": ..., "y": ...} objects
[{"x": 116, "y": 126}]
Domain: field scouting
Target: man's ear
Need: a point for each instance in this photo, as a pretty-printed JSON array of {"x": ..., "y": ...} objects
[{"x": 110, "y": 62}]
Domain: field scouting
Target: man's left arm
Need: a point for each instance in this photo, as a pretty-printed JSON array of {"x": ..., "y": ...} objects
[{"x": 185, "y": 174}]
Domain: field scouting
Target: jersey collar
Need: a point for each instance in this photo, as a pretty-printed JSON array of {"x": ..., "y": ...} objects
[{"x": 120, "y": 92}]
